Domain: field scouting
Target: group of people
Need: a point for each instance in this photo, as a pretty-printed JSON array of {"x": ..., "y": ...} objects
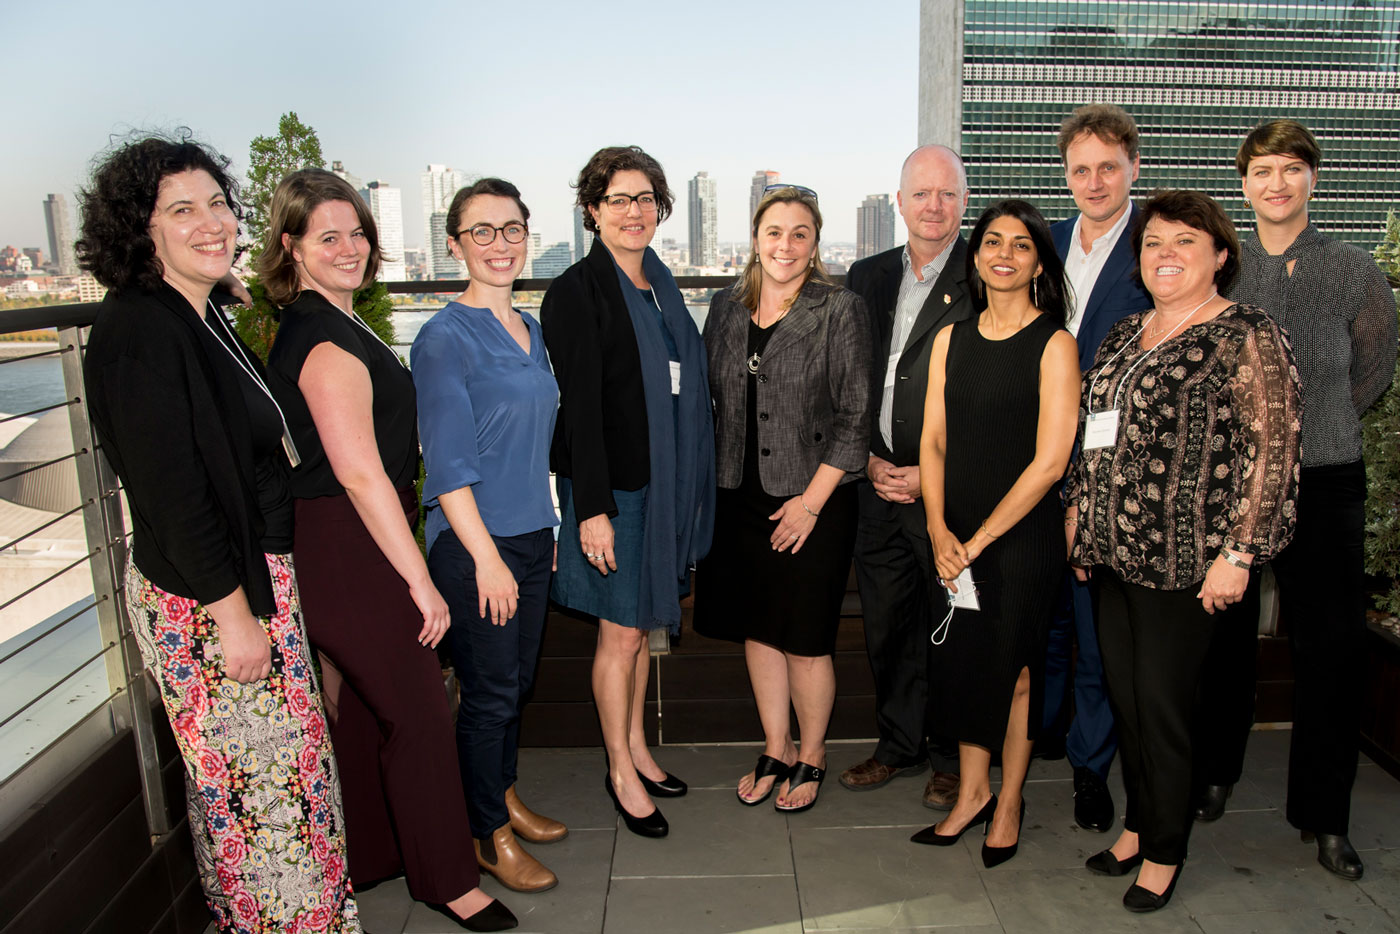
[{"x": 1035, "y": 436}]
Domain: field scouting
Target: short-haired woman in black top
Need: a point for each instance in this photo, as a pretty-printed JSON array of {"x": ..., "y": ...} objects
[{"x": 371, "y": 607}]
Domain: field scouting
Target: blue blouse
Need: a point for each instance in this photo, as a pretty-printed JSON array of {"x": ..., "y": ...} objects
[{"x": 486, "y": 413}]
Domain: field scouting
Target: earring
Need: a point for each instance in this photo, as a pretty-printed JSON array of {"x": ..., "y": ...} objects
[{"x": 1035, "y": 292}]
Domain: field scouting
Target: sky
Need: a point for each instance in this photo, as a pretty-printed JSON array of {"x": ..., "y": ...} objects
[{"x": 525, "y": 90}]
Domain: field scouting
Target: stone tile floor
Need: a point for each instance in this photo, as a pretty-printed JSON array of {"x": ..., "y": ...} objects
[{"x": 847, "y": 866}]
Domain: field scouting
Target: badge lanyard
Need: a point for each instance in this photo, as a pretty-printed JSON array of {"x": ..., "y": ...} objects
[
  {"x": 246, "y": 366},
  {"x": 369, "y": 330}
]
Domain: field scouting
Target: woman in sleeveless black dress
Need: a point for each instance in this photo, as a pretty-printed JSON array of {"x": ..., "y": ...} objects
[{"x": 998, "y": 429}]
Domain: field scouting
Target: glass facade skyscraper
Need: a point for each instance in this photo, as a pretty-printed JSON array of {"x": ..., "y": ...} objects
[{"x": 1196, "y": 77}]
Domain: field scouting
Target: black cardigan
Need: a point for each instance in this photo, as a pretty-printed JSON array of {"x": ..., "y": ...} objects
[
  {"x": 600, "y": 436},
  {"x": 176, "y": 430}
]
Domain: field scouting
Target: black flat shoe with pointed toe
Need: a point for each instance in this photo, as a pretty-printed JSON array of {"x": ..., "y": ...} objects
[
  {"x": 1106, "y": 864},
  {"x": 494, "y": 917},
  {"x": 931, "y": 837},
  {"x": 653, "y": 825}
]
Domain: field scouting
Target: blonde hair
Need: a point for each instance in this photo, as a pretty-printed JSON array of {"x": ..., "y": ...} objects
[{"x": 750, "y": 283}]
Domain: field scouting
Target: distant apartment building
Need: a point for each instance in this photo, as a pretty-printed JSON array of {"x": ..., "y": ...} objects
[
  {"x": 439, "y": 184},
  {"x": 874, "y": 226},
  {"x": 998, "y": 76},
  {"x": 386, "y": 205},
  {"x": 60, "y": 227},
  {"x": 552, "y": 260},
  {"x": 338, "y": 169},
  {"x": 704, "y": 234},
  {"x": 761, "y": 180},
  {"x": 583, "y": 237}
]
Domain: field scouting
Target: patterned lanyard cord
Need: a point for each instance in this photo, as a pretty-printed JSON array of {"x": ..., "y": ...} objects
[{"x": 246, "y": 365}]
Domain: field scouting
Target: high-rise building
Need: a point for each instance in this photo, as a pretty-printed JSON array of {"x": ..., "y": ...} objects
[
  {"x": 338, "y": 168},
  {"x": 998, "y": 76},
  {"x": 60, "y": 234},
  {"x": 552, "y": 260},
  {"x": 386, "y": 205},
  {"x": 439, "y": 184},
  {"x": 704, "y": 237},
  {"x": 761, "y": 180},
  {"x": 583, "y": 237},
  {"x": 874, "y": 226}
]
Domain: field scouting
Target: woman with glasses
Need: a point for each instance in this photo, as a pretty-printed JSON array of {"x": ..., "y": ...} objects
[
  {"x": 634, "y": 454},
  {"x": 486, "y": 403},
  {"x": 371, "y": 608},
  {"x": 789, "y": 371}
]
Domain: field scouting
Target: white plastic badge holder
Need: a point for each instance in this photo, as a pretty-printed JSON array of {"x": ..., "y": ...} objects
[
  {"x": 964, "y": 599},
  {"x": 675, "y": 377},
  {"x": 1100, "y": 429}
]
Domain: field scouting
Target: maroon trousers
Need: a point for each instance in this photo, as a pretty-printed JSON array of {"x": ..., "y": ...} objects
[{"x": 402, "y": 789}]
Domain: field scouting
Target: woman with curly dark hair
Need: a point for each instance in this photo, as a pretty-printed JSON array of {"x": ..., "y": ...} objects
[{"x": 183, "y": 412}]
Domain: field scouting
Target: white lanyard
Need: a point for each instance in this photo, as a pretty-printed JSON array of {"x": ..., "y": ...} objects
[
  {"x": 369, "y": 330},
  {"x": 246, "y": 366},
  {"x": 1118, "y": 394}
]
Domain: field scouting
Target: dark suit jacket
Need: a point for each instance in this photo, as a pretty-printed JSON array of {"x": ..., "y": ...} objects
[
  {"x": 876, "y": 279},
  {"x": 176, "y": 430},
  {"x": 600, "y": 436},
  {"x": 813, "y": 397},
  {"x": 1115, "y": 295}
]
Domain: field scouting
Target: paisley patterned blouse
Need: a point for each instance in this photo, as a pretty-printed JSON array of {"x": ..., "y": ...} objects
[{"x": 1206, "y": 455}]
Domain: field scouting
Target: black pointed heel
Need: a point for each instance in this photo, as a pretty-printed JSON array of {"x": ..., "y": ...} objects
[
  {"x": 653, "y": 825},
  {"x": 494, "y": 917},
  {"x": 996, "y": 855},
  {"x": 930, "y": 835}
]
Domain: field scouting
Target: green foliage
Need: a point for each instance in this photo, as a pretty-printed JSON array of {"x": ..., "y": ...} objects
[
  {"x": 271, "y": 159},
  {"x": 1380, "y": 439}
]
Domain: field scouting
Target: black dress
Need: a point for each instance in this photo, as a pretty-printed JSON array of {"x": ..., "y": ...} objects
[
  {"x": 746, "y": 589},
  {"x": 992, "y": 404}
]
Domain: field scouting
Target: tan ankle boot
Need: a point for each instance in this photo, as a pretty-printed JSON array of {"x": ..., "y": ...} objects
[
  {"x": 530, "y": 826},
  {"x": 503, "y": 857}
]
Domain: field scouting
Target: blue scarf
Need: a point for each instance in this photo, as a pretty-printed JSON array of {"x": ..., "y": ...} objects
[{"x": 680, "y": 510}]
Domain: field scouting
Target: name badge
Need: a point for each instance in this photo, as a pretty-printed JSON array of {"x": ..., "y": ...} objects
[
  {"x": 966, "y": 596},
  {"x": 290, "y": 447},
  {"x": 1100, "y": 429},
  {"x": 675, "y": 377}
]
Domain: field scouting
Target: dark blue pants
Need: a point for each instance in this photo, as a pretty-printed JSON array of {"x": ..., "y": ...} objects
[
  {"x": 1091, "y": 740},
  {"x": 495, "y": 664}
]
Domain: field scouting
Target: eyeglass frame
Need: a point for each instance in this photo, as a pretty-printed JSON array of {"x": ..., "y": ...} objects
[
  {"x": 606, "y": 201},
  {"x": 800, "y": 189},
  {"x": 497, "y": 231}
]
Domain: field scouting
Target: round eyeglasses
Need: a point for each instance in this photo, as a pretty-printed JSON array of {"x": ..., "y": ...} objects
[
  {"x": 620, "y": 203},
  {"x": 485, "y": 234}
]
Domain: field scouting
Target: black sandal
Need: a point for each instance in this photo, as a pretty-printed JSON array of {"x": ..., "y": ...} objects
[
  {"x": 801, "y": 774},
  {"x": 767, "y": 766}
]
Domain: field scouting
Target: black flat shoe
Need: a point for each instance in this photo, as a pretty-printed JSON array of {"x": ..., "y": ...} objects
[
  {"x": 1106, "y": 864},
  {"x": 1336, "y": 854},
  {"x": 996, "y": 855},
  {"x": 801, "y": 774},
  {"x": 767, "y": 766},
  {"x": 653, "y": 825},
  {"x": 930, "y": 835},
  {"x": 1211, "y": 804},
  {"x": 494, "y": 917},
  {"x": 1141, "y": 900},
  {"x": 668, "y": 787}
]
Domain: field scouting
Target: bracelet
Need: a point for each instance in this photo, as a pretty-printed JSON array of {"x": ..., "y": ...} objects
[
  {"x": 986, "y": 532},
  {"x": 803, "y": 501},
  {"x": 1231, "y": 559},
  {"x": 1071, "y": 520}
]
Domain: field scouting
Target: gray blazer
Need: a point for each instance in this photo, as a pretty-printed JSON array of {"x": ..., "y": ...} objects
[{"x": 813, "y": 389}]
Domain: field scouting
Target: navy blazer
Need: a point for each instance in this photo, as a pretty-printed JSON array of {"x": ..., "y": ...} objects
[
  {"x": 1116, "y": 293},
  {"x": 876, "y": 279}
]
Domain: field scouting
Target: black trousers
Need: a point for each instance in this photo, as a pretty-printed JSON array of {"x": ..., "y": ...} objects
[
  {"x": 1321, "y": 593},
  {"x": 1154, "y": 645},
  {"x": 894, "y": 568},
  {"x": 1227, "y": 695}
]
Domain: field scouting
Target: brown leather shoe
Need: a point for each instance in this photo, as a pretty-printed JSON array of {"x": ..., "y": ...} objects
[
  {"x": 872, "y": 773},
  {"x": 941, "y": 792},
  {"x": 531, "y": 826},
  {"x": 503, "y": 857}
]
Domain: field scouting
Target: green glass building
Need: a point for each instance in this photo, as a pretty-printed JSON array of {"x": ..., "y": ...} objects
[{"x": 1196, "y": 77}]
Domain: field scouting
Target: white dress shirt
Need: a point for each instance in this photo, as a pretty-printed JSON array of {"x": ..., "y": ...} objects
[{"x": 1082, "y": 269}]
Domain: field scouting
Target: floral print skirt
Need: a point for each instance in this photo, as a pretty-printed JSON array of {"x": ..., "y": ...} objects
[{"x": 260, "y": 779}]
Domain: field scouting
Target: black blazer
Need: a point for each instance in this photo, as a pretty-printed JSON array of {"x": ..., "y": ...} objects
[
  {"x": 176, "y": 430},
  {"x": 876, "y": 279},
  {"x": 600, "y": 436}
]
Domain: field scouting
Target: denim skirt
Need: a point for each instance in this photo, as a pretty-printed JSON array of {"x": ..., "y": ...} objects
[{"x": 577, "y": 584}]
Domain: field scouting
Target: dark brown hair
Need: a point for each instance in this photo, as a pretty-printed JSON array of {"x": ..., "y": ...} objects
[
  {"x": 482, "y": 186},
  {"x": 296, "y": 196},
  {"x": 1279, "y": 138},
  {"x": 1198, "y": 210},
  {"x": 597, "y": 174},
  {"x": 1109, "y": 122}
]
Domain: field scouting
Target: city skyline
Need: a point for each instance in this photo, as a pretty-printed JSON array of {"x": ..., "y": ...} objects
[{"x": 689, "y": 97}]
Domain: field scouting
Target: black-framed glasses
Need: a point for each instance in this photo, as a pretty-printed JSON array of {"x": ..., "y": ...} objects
[
  {"x": 485, "y": 234},
  {"x": 780, "y": 186},
  {"x": 620, "y": 203}
]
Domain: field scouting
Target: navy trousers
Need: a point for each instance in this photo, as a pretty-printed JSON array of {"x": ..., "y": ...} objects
[
  {"x": 495, "y": 665},
  {"x": 1091, "y": 740}
]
